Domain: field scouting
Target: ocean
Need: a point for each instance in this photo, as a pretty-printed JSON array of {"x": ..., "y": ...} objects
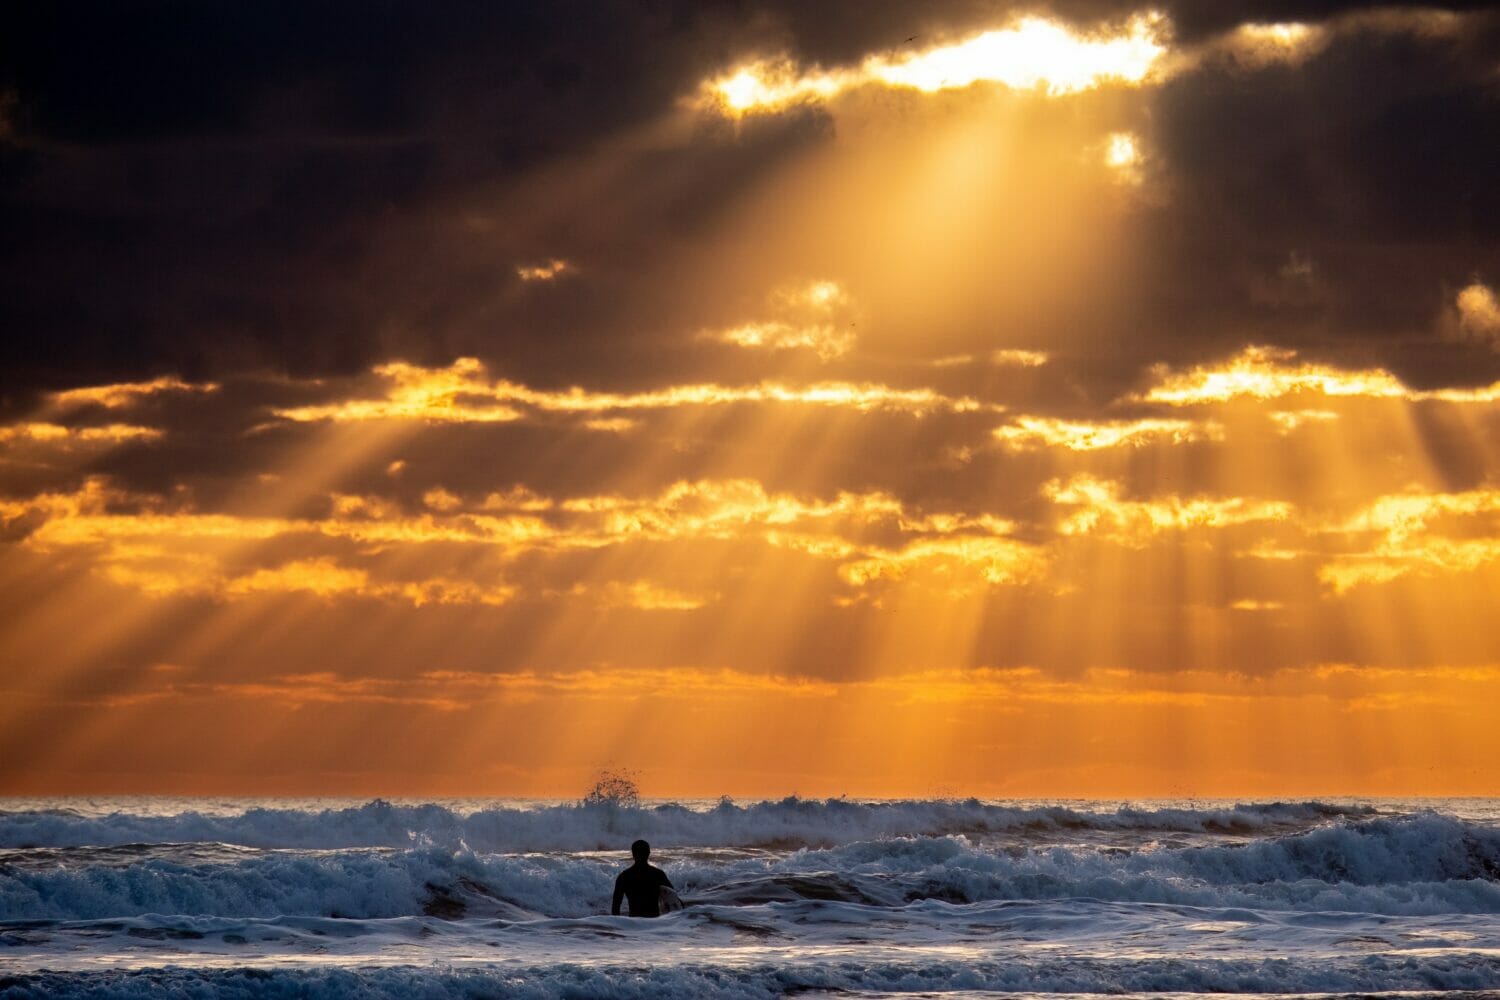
[{"x": 155, "y": 897}]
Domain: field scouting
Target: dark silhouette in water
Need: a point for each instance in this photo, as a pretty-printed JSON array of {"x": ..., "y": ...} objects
[{"x": 641, "y": 883}]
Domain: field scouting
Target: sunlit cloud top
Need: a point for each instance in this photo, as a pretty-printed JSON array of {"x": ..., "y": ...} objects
[
  {"x": 1257, "y": 44},
  {"x": 1270, "y": 373},
  {"x": 1019, "y": 358},
  {"x": 1033, "y": 54},
  {"x": 462, "y": 393},
  {"x": 817, "y": 316},
  {"x": 125, "y": 393},
  {"x": 1027, "y": 433}
]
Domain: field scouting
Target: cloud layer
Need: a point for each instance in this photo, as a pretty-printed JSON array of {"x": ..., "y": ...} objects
[{"x": 1129, "y": 369}]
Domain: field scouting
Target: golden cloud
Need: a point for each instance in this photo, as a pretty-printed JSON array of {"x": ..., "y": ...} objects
[
  {"x": 1097, "y": 508},
  {"x": 461, "y": 393},
  {"x": 1018, "y": 358},
  {"x": 1406, "y": 537},
  {"x": 1275, "y": 373},
  {"x": 144, "y": 543},
  {"x": 1028, "y": 433},
  {"x": 126, "y": 393},
  {"x": 58, "y": 435},
  {"x": 1329, "y": 686},
  {"x": 326, "y": 578},
  {"x": 544, "y": 272},
  {"x": 1287, "y": 421},
  {"x": 816, "y": 317},
  {"x": 646, "y": 595},
  {"x": 954, "y": 563}
]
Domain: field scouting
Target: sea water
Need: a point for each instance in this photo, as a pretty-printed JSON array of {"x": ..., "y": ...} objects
[{"x": 167, "y": 897}]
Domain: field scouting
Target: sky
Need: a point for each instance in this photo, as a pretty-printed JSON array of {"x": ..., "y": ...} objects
[{"x": 759, "y": 397}]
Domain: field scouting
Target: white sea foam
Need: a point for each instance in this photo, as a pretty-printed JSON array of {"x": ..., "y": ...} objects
[
  {"x": 1411, "y": 865},
  {"x": 790, "y": 822},
  {"x": 762, "y": 982},
  {"x": 440, "y": 900}
]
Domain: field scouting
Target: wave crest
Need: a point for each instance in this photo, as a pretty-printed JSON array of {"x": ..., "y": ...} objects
[{"x": 784, "y": 824}]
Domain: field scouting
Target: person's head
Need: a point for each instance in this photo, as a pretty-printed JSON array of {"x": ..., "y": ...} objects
[{"x": 640, "y": 850}]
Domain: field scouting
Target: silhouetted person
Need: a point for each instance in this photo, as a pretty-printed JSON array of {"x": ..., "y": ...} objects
[{"x": 640, "y": 884}]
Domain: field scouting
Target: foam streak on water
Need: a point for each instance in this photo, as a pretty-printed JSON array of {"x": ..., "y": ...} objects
[{"x": 955, "y": 898}]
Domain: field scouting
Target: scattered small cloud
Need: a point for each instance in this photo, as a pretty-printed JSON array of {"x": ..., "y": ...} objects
[
  {"x": 612, "y": 425},
  {"x": 1287, "y": 421},
  {"x": 1297, "y": 267},
  {"x": 1479, "y": 314},
  {"x": 1263, "y": 44},
  {"x": 817, "y": 316},
  {"x": 644, "y": 595},
  {"x": 1248, "y": 604},
  {"x": 548, "y": 271},
  {"x": 1098, "y": 507},
  {"x": 57, "y": 435},
  {"x": 1027, "y": 433},
  {"x": 1019, "y": 358},
  {"x": 441, "y": 500},
  {"x": 123, "y": 394}
]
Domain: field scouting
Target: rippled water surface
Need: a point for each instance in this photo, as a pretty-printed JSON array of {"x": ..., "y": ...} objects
[{"x": 152, "y": 897}]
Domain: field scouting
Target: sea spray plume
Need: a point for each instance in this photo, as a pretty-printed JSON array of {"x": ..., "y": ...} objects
[
  {"x": 613, "y": 792},
  {"x": 614, "y": 788}
]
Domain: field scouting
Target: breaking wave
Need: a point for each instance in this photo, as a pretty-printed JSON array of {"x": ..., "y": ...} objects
[
  {"x": 783, "y": 824},
  {"x": 1421, "y": 864}
]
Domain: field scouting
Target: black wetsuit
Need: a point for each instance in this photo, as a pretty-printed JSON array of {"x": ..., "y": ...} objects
[{"x": 640, "y": 883}]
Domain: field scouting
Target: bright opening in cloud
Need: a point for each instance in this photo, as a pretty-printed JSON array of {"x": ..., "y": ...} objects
[
  {"x": 1033, "y": 54},
  {"x": 1122, "y": 153}
]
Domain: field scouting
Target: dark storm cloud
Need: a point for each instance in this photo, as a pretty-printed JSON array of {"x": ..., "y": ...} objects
[
  {"x": 317, "y": 187},
  {"x": 1346, "y": 196},
  {"x": 190, "y": 186}
]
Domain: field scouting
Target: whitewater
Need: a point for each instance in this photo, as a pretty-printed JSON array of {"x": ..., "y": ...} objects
[{"x": 153, "y": 897}]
